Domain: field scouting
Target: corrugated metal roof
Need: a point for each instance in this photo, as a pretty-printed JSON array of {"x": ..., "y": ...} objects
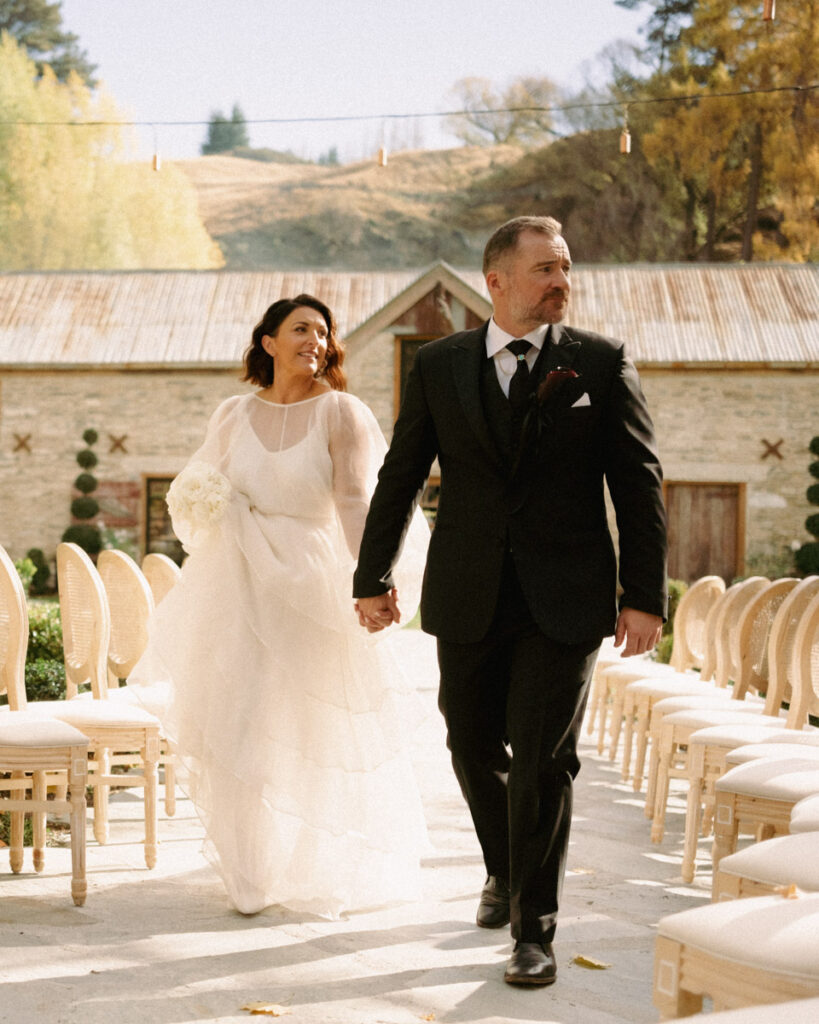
[{"x": 670, "y": 315}]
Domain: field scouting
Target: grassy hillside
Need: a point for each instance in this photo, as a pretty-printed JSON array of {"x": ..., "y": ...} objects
[{"x": 354, "y": 217}]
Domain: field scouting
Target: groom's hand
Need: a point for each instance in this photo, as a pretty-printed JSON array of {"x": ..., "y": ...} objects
[
  {"x": 640, "y": 630},
  {"x": 376, "y": 613}
]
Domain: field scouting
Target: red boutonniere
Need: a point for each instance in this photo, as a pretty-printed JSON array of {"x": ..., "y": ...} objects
[{"x": 553, "y": 382}]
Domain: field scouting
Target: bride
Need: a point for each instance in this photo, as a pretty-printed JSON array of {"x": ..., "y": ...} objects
[{"x": 289, "y": 722}]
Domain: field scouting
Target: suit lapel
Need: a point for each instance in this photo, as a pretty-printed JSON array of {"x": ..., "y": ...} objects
[
  {"x": 562, "y": 351},
  {"x": 467, "y": 355}
]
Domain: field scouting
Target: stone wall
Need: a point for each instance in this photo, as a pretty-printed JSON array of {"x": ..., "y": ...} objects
[{"x": 711, "y": 426}]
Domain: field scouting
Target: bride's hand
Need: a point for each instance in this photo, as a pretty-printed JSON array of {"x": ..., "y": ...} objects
[{"x": 376, "y": 613}]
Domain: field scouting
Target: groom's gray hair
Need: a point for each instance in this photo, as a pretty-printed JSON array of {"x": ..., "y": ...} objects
[{"x": 505, "y": 238}]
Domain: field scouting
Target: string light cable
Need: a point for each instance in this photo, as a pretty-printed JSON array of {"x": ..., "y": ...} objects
[{"x": 336, "y": 118}]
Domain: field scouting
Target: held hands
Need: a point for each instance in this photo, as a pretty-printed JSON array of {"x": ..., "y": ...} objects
[
  {"x": 640, "y": 630},
  {"x": 376, "y": 613}
]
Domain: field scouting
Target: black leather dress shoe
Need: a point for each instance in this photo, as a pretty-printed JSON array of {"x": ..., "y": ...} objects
[
  {"x": 493, "y": 910},
  {"x": 531, "y": 963}
]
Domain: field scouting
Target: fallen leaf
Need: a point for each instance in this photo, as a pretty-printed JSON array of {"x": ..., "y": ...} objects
[
  {"x": 428, "y": 1016},
  {"x": 592, "y": 964},
  {"x": 271, "y": 1009}
]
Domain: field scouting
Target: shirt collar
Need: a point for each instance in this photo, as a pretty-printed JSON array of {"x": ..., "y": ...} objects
[{"x": 497, "y": 338}]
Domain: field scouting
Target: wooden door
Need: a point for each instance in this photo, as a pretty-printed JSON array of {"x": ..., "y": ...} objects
[{"x": 705, "y": 530}]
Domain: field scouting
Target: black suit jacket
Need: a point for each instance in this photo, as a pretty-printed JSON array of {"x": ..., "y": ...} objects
[{"x": 546, "y": 506}]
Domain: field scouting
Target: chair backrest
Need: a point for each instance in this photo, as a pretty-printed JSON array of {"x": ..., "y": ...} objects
[
  {"x": 805, "y": 657},
  {"x": 161, "y": 572},
  {"x": 13, "y": 633},
  {"x": 736, "y": 600},
  {"x": 86, "y": 621},
  {"x": 690, "y": 622},
  {"x": 787, "y": 676},
  {"x": 130, "y": 604},
  {"x": 749, "y": 639}
]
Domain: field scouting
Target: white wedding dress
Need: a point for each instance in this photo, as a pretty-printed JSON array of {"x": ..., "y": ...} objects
[{"x": 290, "y": 721}]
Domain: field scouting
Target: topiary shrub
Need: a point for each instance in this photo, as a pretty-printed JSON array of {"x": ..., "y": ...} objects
[
  {"x": 25, "y": 570},
  {"x": 42, "y": 573},
  {"x": 807, "y": 557},
  {"x": 45, "y": 631},
  {"x": 86, "y": 536},
  {"x": 84, "y": 508}
]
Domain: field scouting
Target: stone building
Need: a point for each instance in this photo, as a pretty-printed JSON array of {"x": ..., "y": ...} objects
[{"x": 728, "y": 355}]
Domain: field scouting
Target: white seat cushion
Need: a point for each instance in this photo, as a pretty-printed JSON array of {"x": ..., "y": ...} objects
[
  {"x": 769, "y": 932},
  {"x": 786, "y": 860},
  {"x": 720, "y": 699},
  {"x": 749, "y": 732},
  {"x": 659, "y": 686},
  {"x": 798, "y": 1011},
  {"x": 751, "y": 751},
  {"x": 700, "y": 718},
  {"x": 23, "y": 729},
  {"x": 788, "y": 779},
  {"x": 94, "y": 713},
  {"x": 805, "y": 815}
]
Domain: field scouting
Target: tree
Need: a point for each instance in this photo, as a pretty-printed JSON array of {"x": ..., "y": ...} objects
[
  {"x": 69, "y": 198},
  {"x": 807, "y": 557},
  {"x": 37, "y": 27},
  {"x": 739, "y": 155},
  {"x": 224, "y": 134},
  {"x": 520, "y": 120}
]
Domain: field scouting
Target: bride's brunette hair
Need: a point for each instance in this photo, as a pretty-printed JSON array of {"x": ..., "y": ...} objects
[{"x": 259, "y": 364}]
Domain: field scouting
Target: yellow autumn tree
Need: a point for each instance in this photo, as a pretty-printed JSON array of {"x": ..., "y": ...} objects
[
  {"x": 70, "y": 198},
  {"x": 742, "y": 154}
]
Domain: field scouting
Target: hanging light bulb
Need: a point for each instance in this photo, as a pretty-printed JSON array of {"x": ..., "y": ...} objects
[
  {"x": 625, "y": 135},
  {"x": 156, "y": 161},
  {"x": 768, "y": 10},
  {"x": 382, "y": 157}
]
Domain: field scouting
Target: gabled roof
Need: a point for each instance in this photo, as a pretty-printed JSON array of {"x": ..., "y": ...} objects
[{"x": 689, "y": 314}]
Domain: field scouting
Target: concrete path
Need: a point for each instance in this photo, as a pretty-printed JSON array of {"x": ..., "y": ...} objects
[{"x": 162, "y": 947}]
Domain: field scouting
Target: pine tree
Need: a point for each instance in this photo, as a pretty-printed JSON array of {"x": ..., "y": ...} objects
[
  {"x": 224, "y": 134},
  {"x": 37, "y": 27}
]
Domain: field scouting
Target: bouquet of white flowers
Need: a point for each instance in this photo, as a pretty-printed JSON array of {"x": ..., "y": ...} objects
[{"x": 197, "y": 499}]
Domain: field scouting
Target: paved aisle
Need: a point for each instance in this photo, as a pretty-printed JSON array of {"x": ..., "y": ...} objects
[{"x": 162, "y": 947}]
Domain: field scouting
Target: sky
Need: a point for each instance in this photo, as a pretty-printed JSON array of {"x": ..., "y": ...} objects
[{"x": 181, "y": 60}]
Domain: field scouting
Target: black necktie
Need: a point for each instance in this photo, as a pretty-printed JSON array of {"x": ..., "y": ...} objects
[{"x": 519, "y": 384}]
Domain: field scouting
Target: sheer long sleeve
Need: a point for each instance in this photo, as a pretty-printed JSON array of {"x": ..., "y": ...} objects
[{"x": 357, "y": 448}]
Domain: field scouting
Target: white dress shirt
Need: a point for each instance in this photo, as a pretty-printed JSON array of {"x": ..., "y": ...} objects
[{"x": 505, "y": 361}]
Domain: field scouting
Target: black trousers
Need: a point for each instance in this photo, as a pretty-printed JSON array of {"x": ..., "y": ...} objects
[{"x": 518, "y": 689}]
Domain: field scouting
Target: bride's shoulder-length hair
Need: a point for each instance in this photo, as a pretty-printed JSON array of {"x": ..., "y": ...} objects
[{"x": 259, "y": 367}]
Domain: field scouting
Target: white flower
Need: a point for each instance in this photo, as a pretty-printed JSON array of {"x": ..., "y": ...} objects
[{"x": 198, "y": 496}]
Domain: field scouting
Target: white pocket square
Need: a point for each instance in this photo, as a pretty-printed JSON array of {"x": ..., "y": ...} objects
[{"x": 583, "y": 400}]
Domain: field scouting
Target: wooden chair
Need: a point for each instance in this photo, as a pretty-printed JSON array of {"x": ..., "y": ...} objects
[
  {"x": 684, "y": 671},
  {"x": 795, "y": 1011},
  {"x": 760, "y": 795},
  {"x": 748, "y": 641},
  {"x": 33, "y": 750},
  {"x": 111, "y": 727},
  {"x": 131, "y": 604},
  {"x": 737, "y": 953},
  {"x": 805, "y": 815},
  {"x": 656, "y": 698},
  {"x": 765, "y": 868},
  {"x": 161, "y": 573},
  {"x": 709, "y": 748}
]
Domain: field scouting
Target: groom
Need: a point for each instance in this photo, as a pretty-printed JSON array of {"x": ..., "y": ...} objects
[{"x": 527, "y": 419}]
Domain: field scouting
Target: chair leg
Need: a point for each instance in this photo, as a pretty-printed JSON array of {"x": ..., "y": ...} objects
[
  {"x": 726, "y": 828},
  {"x": 693, "y": 809},
  {"x": 616, "y": 721},
  {"x": 661, "y": 789},
  {"x": 170, "y": 782},
  {"x": 653, "y": 766},
  {"x": 150, "y": 758},
  {"x": 628, "y": 736},
  {"x": 594, "y": 703},
  {"x": 77, "y": 779},
  {"x": 669, "y": 997},
  {"x": 102, "y": 756},
  {"x": 17, "y": 822},
  {"x": 642, "y": 742},
  {"x": 38, "y": 819}
]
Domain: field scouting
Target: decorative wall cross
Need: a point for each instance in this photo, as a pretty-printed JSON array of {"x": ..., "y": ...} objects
[
  {"x": 118, "y": 444},
  {"x": 772, "y": 449},
  {"x": 21, "y": 443}
]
